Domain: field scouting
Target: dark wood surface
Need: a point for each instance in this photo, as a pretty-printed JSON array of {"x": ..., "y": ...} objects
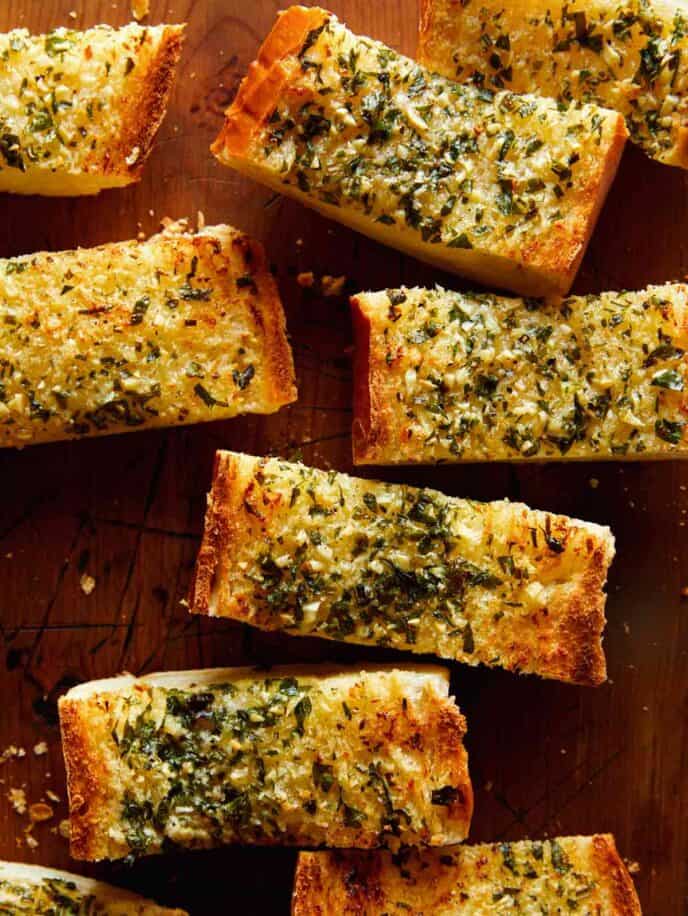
[{"x": 546, "y": 758}]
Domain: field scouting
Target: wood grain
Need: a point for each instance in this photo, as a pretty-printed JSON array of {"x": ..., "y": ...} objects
[{"x": 545, "y": 758}]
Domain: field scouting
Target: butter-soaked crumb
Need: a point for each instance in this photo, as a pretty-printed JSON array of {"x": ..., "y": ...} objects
[
  {"x": 87, "y": 584},
  {"x": 40, "y": 749}
]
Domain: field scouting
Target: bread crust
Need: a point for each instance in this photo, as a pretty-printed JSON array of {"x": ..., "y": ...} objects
[
  {"x": 544, "y": 265},
  {"x": 146, "y": 108},
  {"x": 88, "y": 779},
  {"x": 568, "y": 647},
  {"x": 386, "y": 429},
  {"x": 350, "y": 883}
]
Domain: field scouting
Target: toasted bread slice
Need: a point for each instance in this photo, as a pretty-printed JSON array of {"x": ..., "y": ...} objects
[
  {"x": 79, "y": 110},
  {"x": 446, "y": 377},
  {"x": 306, "y": 756},
  {"x": 319, "y": 553},
  {"x": 502, "y": 189},
  {"x": 571, "y": 874},
  {"x": 182, "y": 328},
  {"x": 40, "y": 891},
  {"x": 631, "y": 57}
]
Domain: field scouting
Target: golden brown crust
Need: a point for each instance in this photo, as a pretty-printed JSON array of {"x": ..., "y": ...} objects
[
  {"x": 146, "y": 108},
  {"x": 266, "y": 78},
  {"x": 607, "y": 861},
  {"x": 87, "y": 782},
  {"x": 271, "y": 320}
]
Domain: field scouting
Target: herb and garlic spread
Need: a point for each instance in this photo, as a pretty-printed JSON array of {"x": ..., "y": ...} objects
[
  {"x": 79, "y": 110},
  {"x": 199, "y": 759},
  {"x": 44, "y": 892},
  {"x": 581, "y": 875},
  {"x": 177, "y": 329},
  {"x": 469, "y": 176},
  {"x": 630, "y": 56},
  {"x": 322, "y": 554},
  {"x": 446, "y": 376}
]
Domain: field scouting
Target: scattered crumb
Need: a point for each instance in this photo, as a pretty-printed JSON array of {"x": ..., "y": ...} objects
[
  {"x": 72, "y": 14},
  {"x": 53, "y": 796},
  {"x": 40, "y": 749},
  {"x": 489, "y": 786},
  {"x": 646, "y": 708},
  {"x": 632, "y": 866},
  {"x": 8, "y": 556},
  {"x": 87, "y": 583},
  {"x": 63, "y": 829},
  {"x": 17, "y": 799},
  {"x": 627, "y": 628},
  {"x": 299, "y": 243},
  {"x": 563, "y": 750},
  {"x": 31, "y": 841},
  {"x": 12, "y": 751},
  {"x": 332, "y": 286},
  {"x": 306, "y": 279},
  {"x": 594, "y": 483},
  {"x": 200, "y": 220},
  {"x": 40, "y": 811},
  {"x": 140, "y": 9}
]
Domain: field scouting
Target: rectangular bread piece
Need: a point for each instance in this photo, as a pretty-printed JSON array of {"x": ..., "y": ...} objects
[
  {"x": 300, "y": 756},
  {"x": 182, "y": 328},
  {"x": 79, "y": 110},
  {"x": 319, "y": 553},
  {"x": 581, "y": 874},
  {"x": 502, "y": 189},
  {"x": 446, "y": 377},
  {"x": 39, "y": 891},
  {"x": 632, "y": 57}
]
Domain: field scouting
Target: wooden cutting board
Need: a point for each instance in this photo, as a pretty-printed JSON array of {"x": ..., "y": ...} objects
[{"x": 545, "y": 758}]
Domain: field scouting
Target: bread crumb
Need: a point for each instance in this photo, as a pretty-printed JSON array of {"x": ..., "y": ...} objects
[
  {"x": 332, "y": 286},
  {"x": 40, "y": 811},
  {"x": 200, "y": 220},
  {"x": 594, "y": 483},
  {"x": 40, "y": 749},
  {"x": 17, "y": 798},
  {"x": 63, "y": 829},
  {"x": 140, "y": 9},
  {"x": 53, "y": 796},
  {"x": 31, "y": 841},
  {"x": 306, "y": 279},
  {"x": 627, "y": 627},
  {"x": 72, "y": 14},
  {"x": 12, "y": 751},
  {"x": 87, "y": 583}
]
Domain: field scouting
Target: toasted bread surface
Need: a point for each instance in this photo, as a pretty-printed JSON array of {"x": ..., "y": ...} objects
[
  {"x": 577, "y": 874},
  {"x": 323, "y": 554},
  {"x": 632, "y": 57},
  {"x": 181, "y": 328},
  {"x": 445, "y": 377},
  {"x": 109, "y": 90},
  {"x": 47, "y": 892},
  {"x": 502, "y": 189},
  {"x": 356, "y": 758}
]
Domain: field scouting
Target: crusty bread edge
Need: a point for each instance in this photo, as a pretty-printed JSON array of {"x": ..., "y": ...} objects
[
  {"x": 147, "y": 107},
  {"x": 88, "y": 781},
  {"x": 34, "y": 874},
  {"x": 270, "y": 318},
  {"x": 607, "y": 861}
]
